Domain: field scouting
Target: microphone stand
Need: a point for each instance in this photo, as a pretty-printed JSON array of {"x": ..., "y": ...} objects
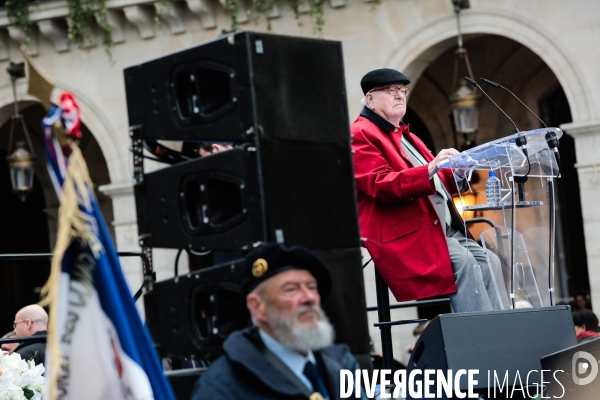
[
  {"x": 514, "y": 214},
  {"x": 553, "y": 145}
]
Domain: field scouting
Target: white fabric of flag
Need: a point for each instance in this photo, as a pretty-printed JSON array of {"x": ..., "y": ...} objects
[{"x": 97, "y": 346}]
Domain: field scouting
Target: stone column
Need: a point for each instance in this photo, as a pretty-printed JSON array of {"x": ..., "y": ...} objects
[{"x": 587, "y": 148}]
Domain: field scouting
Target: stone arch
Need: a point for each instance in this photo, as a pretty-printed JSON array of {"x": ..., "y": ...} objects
[
  {"x": 428, "y": 41},
  {"x": 98, "y": 164},
  {"x": 98, "y": 123}
]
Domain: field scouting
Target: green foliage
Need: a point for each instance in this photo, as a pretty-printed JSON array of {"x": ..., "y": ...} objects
[
  {"x": 231, "y": 8},
  {"x": 18, "y": 12},
  {"x": 261, "y": 9},
  {"x": 82, "y": 14},
  {"x": 105, "y": 28},
  {"x": 316, "y": 11},
  {"x": 28, "y": 393}
]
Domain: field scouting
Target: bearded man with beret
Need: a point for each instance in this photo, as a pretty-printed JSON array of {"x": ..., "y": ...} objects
[
  {"x": 288, "y": 353},
  {"x": 414, "y": 234}
]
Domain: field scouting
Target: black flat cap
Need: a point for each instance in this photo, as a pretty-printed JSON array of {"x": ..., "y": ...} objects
[
  {"x": 382, "y": 77},
  {"x": 268, "y": 260}
]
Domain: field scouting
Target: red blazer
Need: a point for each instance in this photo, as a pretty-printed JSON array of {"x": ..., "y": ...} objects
[{"x": 405, "y": 238}]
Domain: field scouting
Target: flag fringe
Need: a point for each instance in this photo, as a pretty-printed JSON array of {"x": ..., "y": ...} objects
[{"x": 73, "y": 224}]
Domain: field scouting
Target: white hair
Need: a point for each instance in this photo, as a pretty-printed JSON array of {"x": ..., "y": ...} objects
[
  {"x": 293, "y": 335},
  {"x": 364, "y": 101}
]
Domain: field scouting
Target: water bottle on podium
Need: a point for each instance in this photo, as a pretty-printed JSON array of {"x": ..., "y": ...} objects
[{"x": 492, "y": 189}]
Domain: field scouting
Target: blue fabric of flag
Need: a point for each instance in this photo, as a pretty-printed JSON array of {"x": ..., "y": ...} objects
[{"x": 117, "y": 303}]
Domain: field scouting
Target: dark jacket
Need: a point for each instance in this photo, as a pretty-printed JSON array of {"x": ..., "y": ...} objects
[
  {"x": 35, "y": 351},
  {"x": 244, "y": 373}
]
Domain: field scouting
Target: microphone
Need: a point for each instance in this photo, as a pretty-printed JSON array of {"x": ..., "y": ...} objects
[
  {"x": 472, "y": 82},
  {"x": 521, "y": 142},
  {"x": 553, "y": 145},
  {"x": 497, "y": 85},
  {"x": 550, "y": 136}
]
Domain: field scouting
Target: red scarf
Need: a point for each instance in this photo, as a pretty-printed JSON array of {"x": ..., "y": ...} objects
[{"x": 587, "y": 335}]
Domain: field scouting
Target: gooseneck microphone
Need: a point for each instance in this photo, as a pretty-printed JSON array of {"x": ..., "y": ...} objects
[
  {"x": 550, "y": 136},
  {"x": 520, "y": 141},
  {"x": 472, "y": 82},
  {"x": 497, "y": 85}
]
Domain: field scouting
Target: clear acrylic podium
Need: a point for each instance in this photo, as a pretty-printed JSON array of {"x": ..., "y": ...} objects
[{"x": 524, "y": 245}]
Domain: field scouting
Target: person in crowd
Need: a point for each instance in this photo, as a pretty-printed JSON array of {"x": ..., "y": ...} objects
[
  {"x": 586, "y": 325},
  {"x": 406, "y": 213},
  {"x": 580, "y": 300},
  {"x": 9, "y": 347},
  {"x": 206, "y": 149},
  {"x": 288, "y": 353},
  {"x": 31, "y": 320}
]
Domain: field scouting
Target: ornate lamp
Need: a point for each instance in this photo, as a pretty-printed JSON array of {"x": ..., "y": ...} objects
[
  {"x": 464, "y": 99},
  {"x": 21, "y": 171},
  {"x": 21, "y": 161}
]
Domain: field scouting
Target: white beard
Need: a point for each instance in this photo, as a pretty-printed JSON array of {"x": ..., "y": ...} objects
[{"x": 300, "y": 338}]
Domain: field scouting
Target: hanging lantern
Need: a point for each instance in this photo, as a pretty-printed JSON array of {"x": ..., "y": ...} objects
[
  {"x": 465, "y": 110},
  {"x": 21, "y": 160},
  {"x": 464, "y": 100},
  {"x": 21, "y": 167}
]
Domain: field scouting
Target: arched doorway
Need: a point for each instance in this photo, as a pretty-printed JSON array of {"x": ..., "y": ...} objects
[
  {"x": 30, "y": 226},
  {"x": 521, "y": 70}
]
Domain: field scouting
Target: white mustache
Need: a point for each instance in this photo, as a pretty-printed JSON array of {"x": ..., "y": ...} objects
[{"x": 303, "y": 309}]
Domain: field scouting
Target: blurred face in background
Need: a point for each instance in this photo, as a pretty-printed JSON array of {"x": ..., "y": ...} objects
[{"x": 208, "y": 149}]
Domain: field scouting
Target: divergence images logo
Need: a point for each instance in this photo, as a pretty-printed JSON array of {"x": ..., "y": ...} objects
[{"x": 579, "y": 367}]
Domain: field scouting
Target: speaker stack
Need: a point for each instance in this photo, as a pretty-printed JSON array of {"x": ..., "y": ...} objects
[{"x": 288, "y": 179}]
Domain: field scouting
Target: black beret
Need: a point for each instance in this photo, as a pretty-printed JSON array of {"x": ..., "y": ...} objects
[
  {"x": 382, "y": 77},
  {"x": 268, "y": 260}
]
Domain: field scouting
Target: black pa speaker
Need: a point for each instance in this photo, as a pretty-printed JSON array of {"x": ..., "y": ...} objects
[
  {"x": 190, "y": 316},
  {"x": 292, "y": 193},
  {"x": 574, "y": 372},
  {"x": 505, "y": 342},
  {"x": 346, "y": 305},
  {"x": 240, "y": 85}
]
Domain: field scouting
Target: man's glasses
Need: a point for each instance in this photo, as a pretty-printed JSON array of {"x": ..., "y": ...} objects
[
  {"x": 393, "y": 90},
  {"x": 18, "y": 322}
]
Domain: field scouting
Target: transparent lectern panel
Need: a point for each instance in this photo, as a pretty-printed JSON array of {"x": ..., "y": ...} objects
[
  {"x": 527, "y": 272},
  {"x": 486, "y": 284},
  {"x": 506, "y": 153}
]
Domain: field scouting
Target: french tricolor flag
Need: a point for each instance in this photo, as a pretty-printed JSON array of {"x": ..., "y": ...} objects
[{"x": 98, "y": 347}]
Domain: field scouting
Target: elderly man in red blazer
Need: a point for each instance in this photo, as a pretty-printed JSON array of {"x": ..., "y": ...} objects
[{"x": 405, "y": 206}]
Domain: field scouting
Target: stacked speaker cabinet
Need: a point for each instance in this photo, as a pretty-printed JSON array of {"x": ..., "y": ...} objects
[
  {"x": 289, "y": 178},
  {"x": 498, "y": 344},
  {"x": 283, "y": 101}
]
